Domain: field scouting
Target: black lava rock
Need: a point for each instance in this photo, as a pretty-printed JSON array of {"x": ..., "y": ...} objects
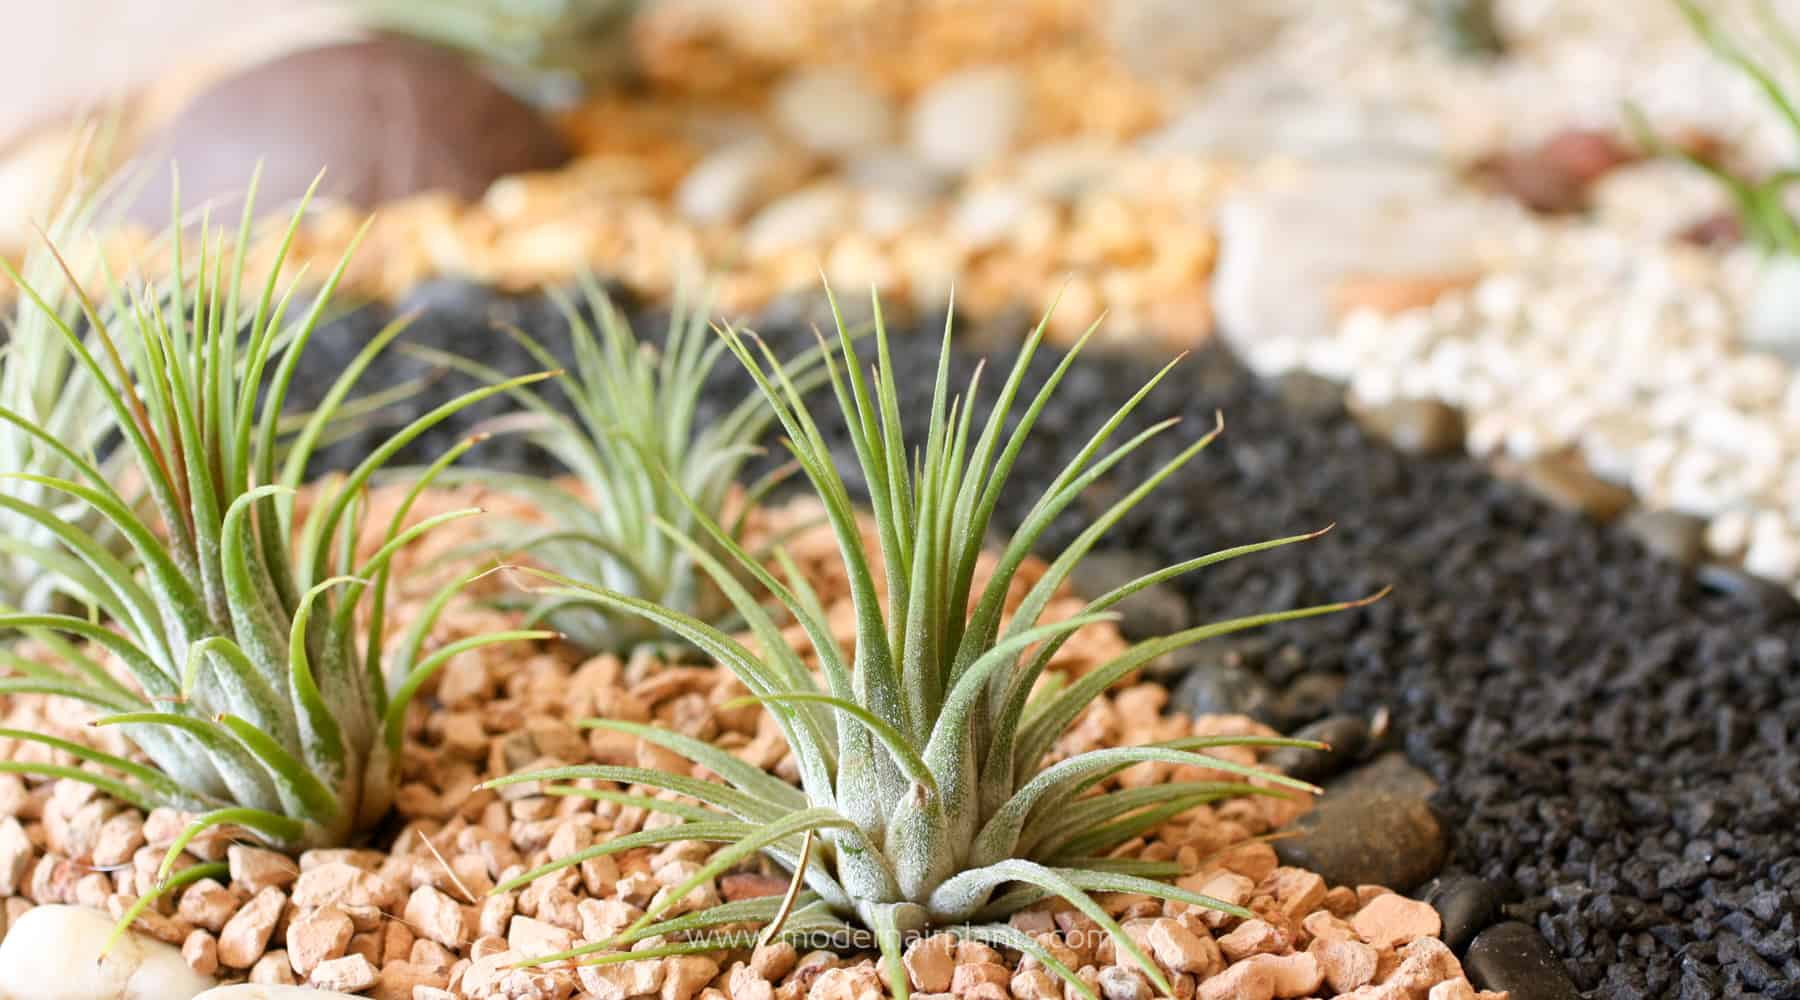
[
  {"x": 1511, "y": 956},
  {"x": 1373, "y": 828},
  {"x": 1214, "y": 688},
  {"x": 1468, "y": 906},
  {"x": 1155, "y": 611},
  {"x": 1347, "y": 736}
]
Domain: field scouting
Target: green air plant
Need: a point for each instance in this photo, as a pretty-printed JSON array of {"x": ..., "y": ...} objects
[
  {"x": 41, "y": 380},
  {"x": 632, "y": 439},
  {"x": 929, "y": 792},
  {"x": 1761, "y": 204},
  {"x": 253, "y": 692}
]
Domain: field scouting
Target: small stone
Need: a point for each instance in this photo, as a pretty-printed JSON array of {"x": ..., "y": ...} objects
[
  {"x": 246, "y": 934},
  {"x": 967, "y": 118},
  {"x": 1118, "y": 982},
  {"x": 1346, "y": 737},
  {"x": 345, "y": 884},
  {"x": 1391, "y": 920},
  {"x": 1252, "y": 937},
  {"x": 1310, "y": 396},
  {"x": 684, "y": 975},
  {"x": 1514, "y": 957},
  {"x": 1211, "y": 687},
  {"x": 1364, "y": 835},
  {"x": 969, "y": 976},
  {"x": 1565, "y": 480},
  {"x": 1415, "y": 426},
  {"x": 254, "y": 869},
  {"x": 16, "y": 855},
  {"x": 1467, "y": 905},
  {"x": 1179, "y": 949},
  {"x": 1772, "y": 320},
  {"x": 1157, "y": 610},
  {"x": 533, "y": 937},
  {"x": 67, "y": 953},
  {"x": 860, "y": 982},
  {"x": 436, "y": 916},
  {"x": 832, "y": 112},
  {"x": 272, "y": 970},
  {"x": 201, "y": 952},
  {"x": 1347, "y": 964},
  {"x": 348, "y": 974},
  {"x": 1671, "y": 534},
  {"x": 317, "y": 936},
  {"x": 1242, "y": 981},
  {"x": 931, "y": 962},
  {"x": 732, "y": 180},
  {"x": 1747, "y": 589},
  {"x": 1295, "y": 975},
  {"x": 796, "y": 221}
]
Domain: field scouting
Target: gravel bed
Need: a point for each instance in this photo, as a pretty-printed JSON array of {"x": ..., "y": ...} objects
[{"x": 1615, "y": 742}]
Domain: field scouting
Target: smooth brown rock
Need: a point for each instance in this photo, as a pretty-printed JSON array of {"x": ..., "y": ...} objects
[{"x": 385, "y": 117}]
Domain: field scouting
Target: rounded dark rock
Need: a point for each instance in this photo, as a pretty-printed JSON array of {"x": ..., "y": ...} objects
[
  {"x": 1157, "y": 610},
  {"x": 1371, "y": 827},
  {"x": 1514, "y": 957},
  {"x": 1215, "y": 688},
  {"x": 1747, "y": 589},
  {"x": 1347, "y": 736},
  {"x": 384, "y": 117},
  {"x": 1306, "y": 700},
  {"x": 1467, "y": 905}
]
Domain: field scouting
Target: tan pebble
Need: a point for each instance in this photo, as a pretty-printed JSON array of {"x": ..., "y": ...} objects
[
  {"x": 437, "y": 917},
  {"x": 246, "y": 934},
  {"x": 773, "y": 961},
  {"x": 1036, "y": 984},
  {"x": 931, "y": 963},
  {"x": 254, "y": 869},
  {"x": 207, "y": 904},
  {"x": 1341, "y": 901},
  {"x": 1391, "y": 920},
  {"x": 118, "y": 838},
  {"x": 533, "y": 937},
  {"x": 1296, "y": 975},
  {"x": 348, "y": 974},
  {"x": 396, "y": 942},
  {"x": 16, "y": 854},
  {"x": 1227, "y": 887},
  {"x": 1320, "y": 925},
  {"x": 430, "y": 955},
  {"x": 623, "y": 980},
  {"x": 1424, "y": 963},
  {"x": 602, "y": 918},
  {"x": 1297, "y": 890},
  {"x": 970, "y": 975},
  {"x": 684, "y": 975},
  {"x": 1255, "y": 861},
  {"x": 404, "y": 980},
  {"x": 1179, "y": 949},
  {"x": 1242, "y": 981},
  {"x": 859, "y": 982},
  {"x": 1452, "y": 989},
  {"x": 1252, "y": 937},
  {"x": 272, "y": 970},
  {"x": 317, "y": 936},
  {"x": 1347, "y": 964},
  {"x": 201, "y": 952},
  {"x": 1367, "y": 893},
  {"x": 744, "y": 984},
  {"x": 1118, "y": 982}
]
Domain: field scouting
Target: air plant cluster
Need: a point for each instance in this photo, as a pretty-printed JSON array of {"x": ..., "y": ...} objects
[
  {"x": 241, "y": 640},
  {"x": 929, "y": 796},
  {"x": 259, "y": 700}
]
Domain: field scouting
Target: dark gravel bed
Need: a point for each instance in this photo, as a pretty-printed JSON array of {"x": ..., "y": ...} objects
[{"x": 1616, "y": 744}]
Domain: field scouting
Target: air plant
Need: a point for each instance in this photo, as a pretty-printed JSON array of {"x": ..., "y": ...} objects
[
  {"x": 931, "y": 792},
  {"x": 257, "y": 699},
  {"x": 1761, "y": 204},
  {"x": 41, "y": 380},
  {"x": 632, "y": 438}
]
